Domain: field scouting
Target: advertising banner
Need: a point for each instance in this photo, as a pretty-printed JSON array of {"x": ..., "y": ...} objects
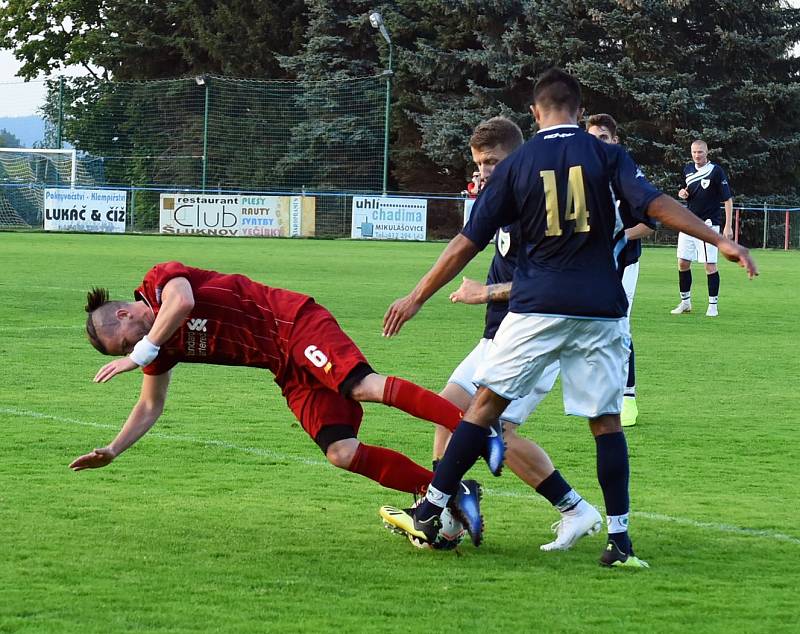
[
  {"x": 237, "y": 215},
  {"x": 92, "y": 210},
  {"x": 382, "y": 218}
]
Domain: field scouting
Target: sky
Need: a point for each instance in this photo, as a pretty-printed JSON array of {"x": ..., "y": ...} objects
[{"x": 20, "y": 99}]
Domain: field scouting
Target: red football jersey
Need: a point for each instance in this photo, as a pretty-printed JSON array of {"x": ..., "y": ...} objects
[{"x": 235, "y": 321}]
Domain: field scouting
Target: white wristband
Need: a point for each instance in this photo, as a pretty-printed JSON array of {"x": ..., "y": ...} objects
[{"x": 144, "y": 352}]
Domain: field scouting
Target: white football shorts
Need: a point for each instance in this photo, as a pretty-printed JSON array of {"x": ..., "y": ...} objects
[
  {"x": 630, "y": 276},
  {"x": 691, "y": 249},
  {"x": 519, "y": 409},
  {"x": 592, "y": 354}
]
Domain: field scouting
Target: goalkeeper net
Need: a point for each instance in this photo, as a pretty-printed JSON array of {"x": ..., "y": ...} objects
[{"x": 24, "y": 173}]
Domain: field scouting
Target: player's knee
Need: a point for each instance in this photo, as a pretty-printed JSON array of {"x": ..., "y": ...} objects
[
  {"x": 605, "y": 424},
  {"x": 341, "y": 453},
  {"x": 486, "y": 406},
  {"x": 363, "y": 384}
]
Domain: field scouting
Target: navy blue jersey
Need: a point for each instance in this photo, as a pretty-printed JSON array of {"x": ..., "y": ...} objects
[
  {"x": 562, "y": 186},
  {"x": 708, "y": 188},
  {"x": 633, "y": 251},
  {"x": 633, "y": 248},
  {"x": 501, "y": 271}
]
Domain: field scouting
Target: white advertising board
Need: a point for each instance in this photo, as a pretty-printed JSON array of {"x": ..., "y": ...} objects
[
  {"x": 237, "y": 215},
  {"x": 92, "y": 210},
  {"x": 383, "y": 218}
]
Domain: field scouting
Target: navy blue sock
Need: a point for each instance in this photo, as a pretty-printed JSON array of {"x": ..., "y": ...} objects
[
  {"x": 713, "y": 284},
  {"x": 685, "y": 281},
  {"x": 465, "y": 447},
  {"x": 622, "y": 540},
  {"x": 613, "y": 472},
  {"x": 554, "y": 488},
  {"x": 630, "y": 385}
]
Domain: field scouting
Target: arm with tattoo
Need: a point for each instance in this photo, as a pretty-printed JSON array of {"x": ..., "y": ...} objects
[{"x": 474, "y": 292}]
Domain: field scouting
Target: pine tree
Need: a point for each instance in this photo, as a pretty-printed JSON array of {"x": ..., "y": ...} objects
[
  {"x": 329, "y": 138},
  {"x": 672, "y": 71}
]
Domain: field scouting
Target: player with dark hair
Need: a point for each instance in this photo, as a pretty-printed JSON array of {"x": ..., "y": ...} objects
[
  {"x": 492, "y": 141},
  {"x": 567, "y": 302},
  {"x": 186, "y": 314},
  {"x": 706, "y": 189},
  {"x": 604, "y": 127}
]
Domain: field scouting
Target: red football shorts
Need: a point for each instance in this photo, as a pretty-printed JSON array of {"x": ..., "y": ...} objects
[{"x": 321, "y": 356}]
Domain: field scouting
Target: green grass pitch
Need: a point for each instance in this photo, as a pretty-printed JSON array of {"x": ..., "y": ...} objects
[{"x": 226, "y": 517}]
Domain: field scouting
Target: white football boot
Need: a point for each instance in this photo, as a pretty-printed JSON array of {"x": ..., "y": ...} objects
[
  {"x": 583, "y": 520},
  {"x": 684, "y": 307}
]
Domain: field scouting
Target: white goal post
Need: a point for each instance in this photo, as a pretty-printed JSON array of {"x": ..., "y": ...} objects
[{"x": 73, "y": 171}]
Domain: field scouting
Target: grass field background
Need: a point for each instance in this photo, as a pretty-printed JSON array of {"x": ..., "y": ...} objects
[{"x": 227, "y": 518}]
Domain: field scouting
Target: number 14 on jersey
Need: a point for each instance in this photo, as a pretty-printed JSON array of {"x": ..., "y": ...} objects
[{"x": 576, "y": 201}]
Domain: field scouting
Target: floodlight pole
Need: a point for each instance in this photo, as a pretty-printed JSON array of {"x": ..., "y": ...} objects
[
  {"x": 202, "y": 80},
  {"x": 376, "y": 21},
  {"x": 386, "y": 121}
]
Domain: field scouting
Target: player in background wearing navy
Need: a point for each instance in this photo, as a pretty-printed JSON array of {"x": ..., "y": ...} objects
[
  {"x": 706, "y": 189},
  {"x": 567, "y": 302},
  {"x": 491, "y": 142},
  {"x": 604, "y": 127},
  {"x": 185, "y": 314}
]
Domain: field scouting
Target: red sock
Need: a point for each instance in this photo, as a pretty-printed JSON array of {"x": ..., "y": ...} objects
[
  {"x": 419, "y": 402},
  {"x": 390, "y": 468}
]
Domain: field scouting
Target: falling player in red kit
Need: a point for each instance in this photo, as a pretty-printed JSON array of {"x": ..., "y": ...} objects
[{"x": 185, "y": 314}]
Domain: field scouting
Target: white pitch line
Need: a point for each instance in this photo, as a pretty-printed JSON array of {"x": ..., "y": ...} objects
[
  {"x": 659, "y": 517},
  {"x": 38, "y": 328},
  {"x": 49, "y": 288},
  {"x": 256, "y": 451}
]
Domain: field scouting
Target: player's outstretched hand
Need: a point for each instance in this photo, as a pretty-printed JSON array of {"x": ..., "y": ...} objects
[
  {"x": 98, "y": 458},
  {"x": 110, "y": 370},
  {"x": 470, "y": 292},
  {"x": 399, "y": 313},
  {"x": 739, "y": 254}
]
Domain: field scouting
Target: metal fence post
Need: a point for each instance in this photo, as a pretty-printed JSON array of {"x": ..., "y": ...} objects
[
  {"x": 766, "y": 218},
  {"x": 786, "y": 233},
  {"x": 133, "y": 207}
]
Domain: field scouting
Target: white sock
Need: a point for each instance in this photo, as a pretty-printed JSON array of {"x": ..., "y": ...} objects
[
  {"x": 435, "y": 496},
  {"x": 569, "y": 502},
  {"x": 617, "y": 523}
]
